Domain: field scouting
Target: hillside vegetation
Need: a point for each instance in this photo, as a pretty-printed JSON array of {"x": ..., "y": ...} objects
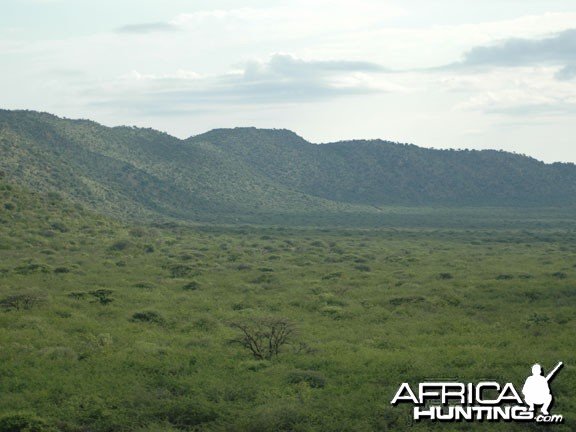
[{"x": 263, "y": 176}]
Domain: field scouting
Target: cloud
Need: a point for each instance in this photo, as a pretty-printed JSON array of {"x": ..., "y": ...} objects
[
  {"x": 559, "y": 48},
  {"x": 527, "y": 90},
  {"x": 518, "y": 76},
  {"x": 566, "y": 73},
  {"x": 281, "y": 79},
  {"x": 288, "y": 67},
  {"x": 145, "y": 28}
]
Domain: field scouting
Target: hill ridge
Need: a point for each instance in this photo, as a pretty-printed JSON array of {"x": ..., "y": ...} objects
[{"x": 246, "y": 174}]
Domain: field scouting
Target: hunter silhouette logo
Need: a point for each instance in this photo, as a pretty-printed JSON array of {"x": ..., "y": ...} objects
[
  {"x": 536, "y": 389},
  {"x": 447, "y": 401}
]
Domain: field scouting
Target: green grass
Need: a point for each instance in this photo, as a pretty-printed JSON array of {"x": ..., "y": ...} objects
[{"x": 113, "y": 327}]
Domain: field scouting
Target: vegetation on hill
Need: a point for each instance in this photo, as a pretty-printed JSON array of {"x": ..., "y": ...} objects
[
  {"x": 109, "y": 325},
  {"x": 263, "y": 176}
]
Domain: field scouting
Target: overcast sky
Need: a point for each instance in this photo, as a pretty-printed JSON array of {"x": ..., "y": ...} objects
[{"x": 444, "y": 73}]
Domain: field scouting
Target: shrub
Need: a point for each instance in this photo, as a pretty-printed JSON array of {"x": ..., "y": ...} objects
[
  {"x": 120, "y": 245},
  {"x": 313, "y": 378},
  {"x": 334, "y": 275},
  {"x": 279, "y": 418},
  {"x": 363, "y": 268},
  {"x": 191, "y": 286},
  {"x": 22, "y": 301},
  {"x": 264, "y": 278},
  {"x": 102, "y": 295},
  {"x": 61, "y": 270},
  {"x": 31, "y": 268},
  {"x": 181, "y": 271},
  {"x": 147, "y": 316},
  {"x": 24, "y": 422},
  {"x": 59, "y": 352},
  {"x": 143, "y": 285},
  {"x": 59, "y": 226},
  {"x": 264, "y": 337},
  {"x": 187, "y": 414},
  {"x": 406, "y": 300},
  {"x": 138, "y": 232}
]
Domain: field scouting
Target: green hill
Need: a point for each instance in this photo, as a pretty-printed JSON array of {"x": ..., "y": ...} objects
[
  {"x": 254, "y": 175},
  {"x": 111, "y": 326}
]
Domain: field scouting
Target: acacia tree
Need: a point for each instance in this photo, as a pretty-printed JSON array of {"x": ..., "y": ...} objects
[{"x": 264, "y": 336}]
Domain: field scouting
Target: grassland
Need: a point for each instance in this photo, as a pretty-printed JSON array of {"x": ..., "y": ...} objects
[{"x": 113, "y": 327}]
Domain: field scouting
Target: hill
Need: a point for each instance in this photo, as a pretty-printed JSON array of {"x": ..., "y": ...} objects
[
  {"x": 112, "y": 326},
  {"x": 255, "y": 175}
]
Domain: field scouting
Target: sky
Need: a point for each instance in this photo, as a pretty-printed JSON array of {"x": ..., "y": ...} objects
[{"x": 490, "y": 74}]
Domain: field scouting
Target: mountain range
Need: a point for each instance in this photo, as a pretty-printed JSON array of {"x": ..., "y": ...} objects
[{"x": 249, "y": 174}]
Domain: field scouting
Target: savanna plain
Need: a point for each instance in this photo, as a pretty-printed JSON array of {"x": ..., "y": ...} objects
[{"x": 111, "y": 326}]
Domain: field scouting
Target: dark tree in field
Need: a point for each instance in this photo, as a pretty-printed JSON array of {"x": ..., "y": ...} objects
[{"x": 264, "y": 336}]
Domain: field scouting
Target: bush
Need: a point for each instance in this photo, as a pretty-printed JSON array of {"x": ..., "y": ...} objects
[
  {"x": 406, "y": 300},
  {"x": 312, "y": 378},
  {"x": 22, "y": 301},
  {"x": 61, "y": 270},
  {"x": 31, "y": 268},
  {"x": 144, "y": 285},
  {"x": 191, "y": 286},
  {"x": 147, "y": 316},
  {"x": 186, "y": 414},
  {"x": 264, "y": 337},
  {"x": 120, "y": 245},
  {"x": 181, "y": 271},
  {"x": 363, "y": 268},
  {"x": 24, "y": 422},
  {"x": 59, "y": 226},
  {"x": 102, "y": 295},
  {"x": 280, "y": 418}
]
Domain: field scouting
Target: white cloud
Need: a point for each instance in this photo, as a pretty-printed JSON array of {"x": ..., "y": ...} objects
[
  {"x": 557, "y": 48},
  {"x": 280, "y": 79},
  {"x": 528, "y": 91},
  {"x": 144, "y": 28}
]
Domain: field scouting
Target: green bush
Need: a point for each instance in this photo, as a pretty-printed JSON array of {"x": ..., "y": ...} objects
[
  {"x": 191, "y": 286},
  {"x": 120, "y": 245},
  {"x": 181, "y": 271},
  {"x": 186, "y": 414},
  {"x": 31, "y": 268},
  {"x": 102, "y": 296},
  {"x": 22, "y": 301},
  {"x": 147, "y": 316},
  {"x": 279, "y": 418},
  {"x": 313, "y": 378},
  {"x": 24, "y": 422}
]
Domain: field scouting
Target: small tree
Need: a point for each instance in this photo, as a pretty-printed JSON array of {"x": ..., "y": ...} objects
[
  {"x": 102, "y": 296},
  {"x": 22, "y": 301},
  {"x": 264, "y": 336}
]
